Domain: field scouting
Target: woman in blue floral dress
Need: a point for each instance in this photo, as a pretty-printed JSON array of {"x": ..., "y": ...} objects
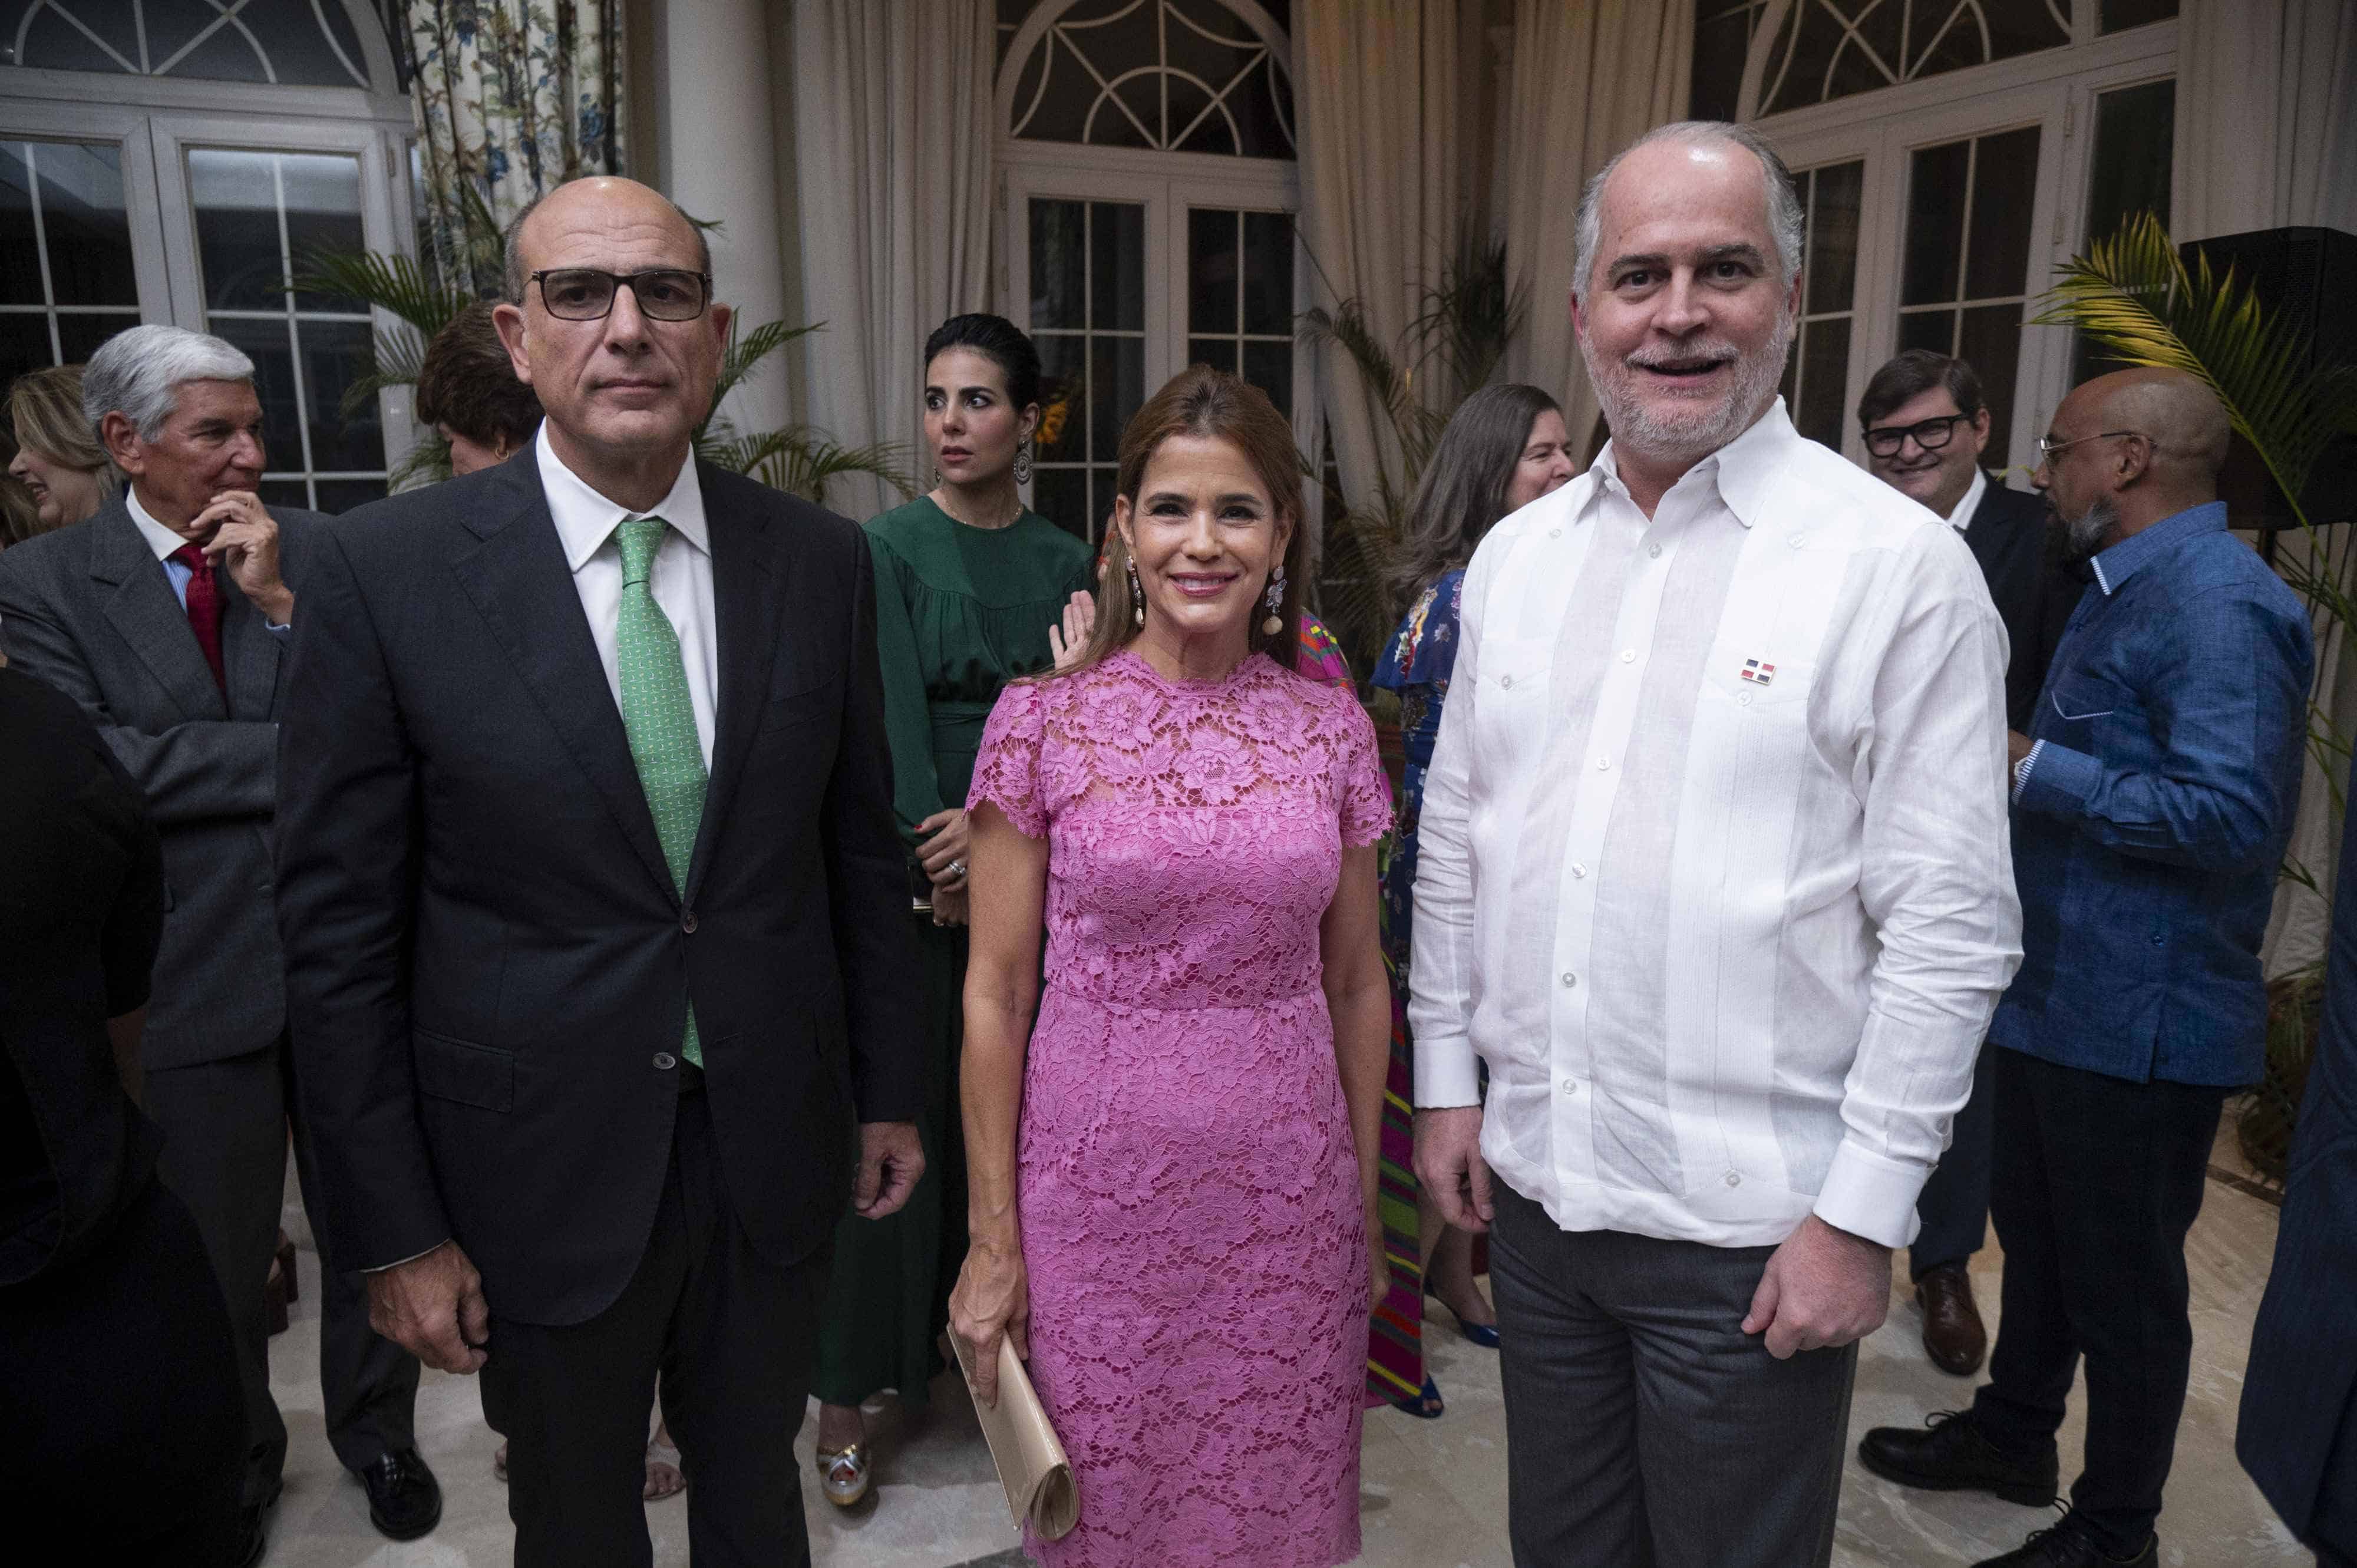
[{"x": 1505, "y": 448}]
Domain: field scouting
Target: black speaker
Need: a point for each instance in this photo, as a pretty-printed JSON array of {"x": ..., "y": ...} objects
[{"x": 2307, "y": 277}]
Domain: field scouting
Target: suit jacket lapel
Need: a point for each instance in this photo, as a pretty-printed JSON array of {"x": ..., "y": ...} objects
[
  {"x": 144, "y": 612},
  {"x": 249, "y": 654},
  {"x": 746, "y": 566},
  {"x": 518, "y": 578}
]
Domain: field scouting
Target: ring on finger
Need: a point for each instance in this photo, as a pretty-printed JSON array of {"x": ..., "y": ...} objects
[{"x": 957, "y": 869}]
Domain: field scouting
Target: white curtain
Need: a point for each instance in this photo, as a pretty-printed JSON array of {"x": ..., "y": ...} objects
[
  {"x": 1587, "y": 80},
  {"x": 1375, "y": 83},
  {"x": 892, "y": 130}
]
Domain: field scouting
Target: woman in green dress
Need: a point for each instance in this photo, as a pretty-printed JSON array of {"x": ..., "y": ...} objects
[{"x": 967, "y": 585}]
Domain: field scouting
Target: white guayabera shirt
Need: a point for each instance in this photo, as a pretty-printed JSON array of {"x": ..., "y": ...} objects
[{"x": 1713, "y": 865}]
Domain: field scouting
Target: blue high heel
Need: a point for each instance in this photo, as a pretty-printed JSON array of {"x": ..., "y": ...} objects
[
  {"x": 1426, "y": 1406},
  {"x": 1485, "y": 1335}
]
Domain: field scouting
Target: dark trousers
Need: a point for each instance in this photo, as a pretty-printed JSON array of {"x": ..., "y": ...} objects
[
  {"x": 1643, "y": 1426},
  {"x": 732, "y": 1334},
  {"x": 225, "y": 1156},
  {"x": 2097, "y": 1181},
  {"x": 1954, "y": 1206},
  {"x": 126, "y": 1431}
]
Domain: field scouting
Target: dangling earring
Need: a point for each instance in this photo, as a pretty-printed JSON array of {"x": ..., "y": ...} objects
[
  {"x": 1023, "y": 462},
  {"x": 1136, "y": 596},
  {"x": 1275, "y": 599},
  {"x": 937, "y": 476}
]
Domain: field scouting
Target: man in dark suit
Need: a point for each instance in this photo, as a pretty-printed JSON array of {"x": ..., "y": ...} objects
[
  {"x": 594, "y": 910},
  {"x": 1926, "y": 425},
  {"x": 165, "y": 617},
  {"x": 2297, "y": 1431}
]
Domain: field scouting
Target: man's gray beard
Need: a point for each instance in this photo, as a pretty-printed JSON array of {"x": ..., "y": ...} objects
[
  {"x": 1636, "y": 429},
  {"x": 2083, "y": 540}
]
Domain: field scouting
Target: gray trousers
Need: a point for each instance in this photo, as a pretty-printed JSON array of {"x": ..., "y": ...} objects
[
  {"x": 1644, "y": 1429},
  {"x": 225, "y": 1156}
]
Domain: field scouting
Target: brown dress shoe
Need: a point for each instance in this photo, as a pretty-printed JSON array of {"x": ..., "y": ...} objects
[{"x": 1952, "y": 1334}]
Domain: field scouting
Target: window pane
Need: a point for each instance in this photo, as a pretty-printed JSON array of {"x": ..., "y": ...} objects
[
  {"x": 1825, "y": 376},
  {"x": 54, "y": 43},
  {"x": 1832, "y": 236},
  {"x": 1220, "y": 353},
  {"x": 323, "y": 212},
  {"x": 1061, "y": 496},
  {"x": 1932, "y": 330},
  {"x": 284, "y": 492},
  {"x": 1117, "y": 387},
  {"x": 80, "y": 332},
  {"x": 1103, "y": 485},
  {"x": 236, "y": 199},
  {"x": 1057, "y": 245},
  {"x": 1268, "y": 272},
  {"x": 1117, "y": 265},
  {"x": 335, "y": 353},
  {"x": 2136, "y": 131},
  {"x": 1991, "y": 344},
  {"x": 1269, "y": 366},
  {"x": 339, "y": 496},
  {"x": 265, "y": 342},
  {"x": 2119, "y": 14},
  {"x": 1211, "y": 266},
  {"x": 1722, "y": 40},
  {"x": 1063, "y": 399},
  {"x": 24, "y": 343},
  {"x": 20, "y": 245},
  {"x": 89, "y": 233},
  {"x": 2004, "y": 192},
  {"x": 1935, "y": 223}
]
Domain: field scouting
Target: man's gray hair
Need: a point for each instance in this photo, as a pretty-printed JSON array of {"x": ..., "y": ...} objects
[
  {"x": 511, "y": 239},
  {"x": 138, "y": 374},
  {"x": 1787, "y": 221}
]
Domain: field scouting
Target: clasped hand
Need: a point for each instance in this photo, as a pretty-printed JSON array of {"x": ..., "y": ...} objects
[{"x": 1822, "y": 1288}]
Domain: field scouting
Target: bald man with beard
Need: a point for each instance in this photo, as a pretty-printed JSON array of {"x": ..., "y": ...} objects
[{"x": 2152, "y": 800}]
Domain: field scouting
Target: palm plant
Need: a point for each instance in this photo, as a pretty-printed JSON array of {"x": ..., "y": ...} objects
[
  {"x": 2134, "y": 296},
  {"x": 1410, "y": 389},
  {"x": 796, "y": 458}
]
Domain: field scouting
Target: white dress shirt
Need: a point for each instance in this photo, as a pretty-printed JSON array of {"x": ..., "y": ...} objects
[
  {"x": 1713, "y": 864},
  {"x": 1962, "y": 518},
  {"x": 681, "y": 578}
]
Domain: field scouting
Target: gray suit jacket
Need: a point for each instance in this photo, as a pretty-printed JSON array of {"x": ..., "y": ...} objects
[{"x": 89, "y": 610}]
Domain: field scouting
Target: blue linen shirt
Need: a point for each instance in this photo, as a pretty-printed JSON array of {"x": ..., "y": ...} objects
[{"x": 2150, "y": 821}]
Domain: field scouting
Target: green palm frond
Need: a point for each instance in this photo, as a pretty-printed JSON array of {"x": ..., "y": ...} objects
[
  {"x": 396, "y": 284},
  {"x": 803, "y": 461},
  {"x": 748, "y": 350}
]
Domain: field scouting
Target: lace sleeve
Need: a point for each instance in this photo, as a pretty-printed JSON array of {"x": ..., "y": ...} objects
[
  {"x": 1365, "y": 795},
  {"x": 1007, "y": 770}
]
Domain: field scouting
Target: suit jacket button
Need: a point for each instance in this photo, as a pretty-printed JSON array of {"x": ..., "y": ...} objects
[
  {"x": 687, "y": 921},
  {"x": 665, "y": 1061}
]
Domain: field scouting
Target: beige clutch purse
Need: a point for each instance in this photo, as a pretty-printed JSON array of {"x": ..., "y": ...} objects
[{"x": 1032, "y": 1464}]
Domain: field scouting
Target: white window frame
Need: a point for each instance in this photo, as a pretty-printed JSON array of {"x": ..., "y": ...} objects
[
  {"x": 154, "y": 120},
  {"x": 2053, "y": 89}
]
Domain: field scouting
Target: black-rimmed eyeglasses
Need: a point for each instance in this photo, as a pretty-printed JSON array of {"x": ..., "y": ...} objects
[
  {"x": 586, "y": 294},
  {"x": 1884, "y": 440}
]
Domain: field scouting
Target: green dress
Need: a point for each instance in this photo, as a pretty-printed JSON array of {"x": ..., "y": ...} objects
[{"x": 960, "y": 611}]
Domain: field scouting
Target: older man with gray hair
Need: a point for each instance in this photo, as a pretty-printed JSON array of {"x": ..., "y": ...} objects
[
  {"x": 165, "y": 617},
  {"x": 1713, "y": 880}
]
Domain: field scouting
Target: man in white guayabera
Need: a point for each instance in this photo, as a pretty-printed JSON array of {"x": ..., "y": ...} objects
[{"x": 1715, "y": 880}]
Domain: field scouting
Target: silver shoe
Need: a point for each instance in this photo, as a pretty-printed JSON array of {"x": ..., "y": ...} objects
[{"x": 844, "y": 1474}]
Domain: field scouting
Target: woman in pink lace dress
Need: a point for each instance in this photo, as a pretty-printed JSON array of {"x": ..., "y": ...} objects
[{"x": 1172, "y": 1173}]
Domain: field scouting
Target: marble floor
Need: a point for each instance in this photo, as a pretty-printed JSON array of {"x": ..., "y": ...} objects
[{"x": 1431, "y": 1494}]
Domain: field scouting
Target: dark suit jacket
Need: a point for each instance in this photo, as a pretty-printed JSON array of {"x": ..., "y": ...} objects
[
  {"x": 2298, "y": 1433},
  {"x": 2021, "y": 556},
  {"x": 89, "y": 610},
  {"x": 488, "y": 964}
]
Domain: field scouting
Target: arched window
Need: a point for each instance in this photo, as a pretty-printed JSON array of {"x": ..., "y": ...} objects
[
  {"x": 173, "y": 162},
  {"x": 1148, "y": 214},
  {"x": 1951, "y": 153}
]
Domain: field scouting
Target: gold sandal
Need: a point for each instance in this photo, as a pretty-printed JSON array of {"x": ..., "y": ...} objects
[{"x": 844, "y": 1473}]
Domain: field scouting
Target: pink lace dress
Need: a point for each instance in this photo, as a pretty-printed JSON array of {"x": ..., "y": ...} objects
[{"x": 1187, "y": 1188}]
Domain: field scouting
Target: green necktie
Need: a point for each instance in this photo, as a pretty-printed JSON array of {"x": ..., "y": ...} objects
[{"x": 658, "y": 715}]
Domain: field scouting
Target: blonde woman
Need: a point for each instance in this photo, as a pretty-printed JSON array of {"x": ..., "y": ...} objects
[{"x": 58, "y": 458}]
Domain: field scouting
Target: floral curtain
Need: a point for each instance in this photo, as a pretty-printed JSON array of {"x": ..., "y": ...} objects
[{"x": 512, "y": 98}]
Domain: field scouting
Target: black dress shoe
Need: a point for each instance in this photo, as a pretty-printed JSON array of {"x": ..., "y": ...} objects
[
  {"x": 249, "y": 1538},
  {"x": 2071, "y": 1544},
  {"x": 1952, "y": 1334},
  {"x": 404, "y": 1499},
  {"x": 1953, "y": 1456}
]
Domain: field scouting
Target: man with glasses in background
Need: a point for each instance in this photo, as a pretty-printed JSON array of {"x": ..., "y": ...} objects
[
  {"x": 1925, "y": 427},
  {"x": 594, "y": 914},
  {"x": 2152, "y": 797}
]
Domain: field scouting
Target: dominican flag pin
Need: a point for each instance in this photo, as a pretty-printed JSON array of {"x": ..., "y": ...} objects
[{"x": 1758, "y": 674}]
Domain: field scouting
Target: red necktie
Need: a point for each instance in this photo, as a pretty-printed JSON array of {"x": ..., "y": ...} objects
[{"x": 204, "y": 608}]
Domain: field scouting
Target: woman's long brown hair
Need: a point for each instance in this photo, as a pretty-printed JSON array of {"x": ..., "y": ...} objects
[{"x": 1204, "y": 402}]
